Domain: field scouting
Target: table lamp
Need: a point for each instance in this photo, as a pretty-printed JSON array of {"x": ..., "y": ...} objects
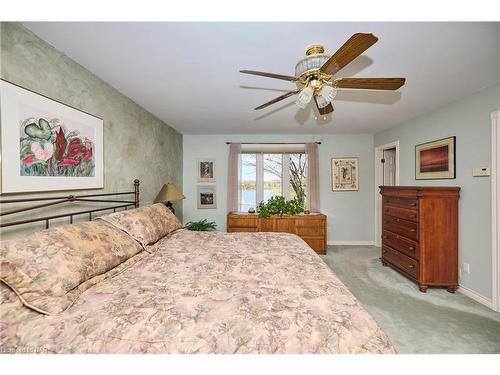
[{"x": 168, "y": 193}]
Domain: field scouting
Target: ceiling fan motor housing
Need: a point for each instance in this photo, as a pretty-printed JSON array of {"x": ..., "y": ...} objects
[
  {"x": 315, "y": 49},
  {"x": 315, "y": 58}
]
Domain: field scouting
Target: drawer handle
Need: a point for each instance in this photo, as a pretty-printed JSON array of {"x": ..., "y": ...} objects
[
  {"x": 384, "y": 237},
  {"x": 413, "y": 204},
  {"x": 385, "y": 251},
  {"x": 412, "y": 230},
  {"x": 414, "y": 216},
  {"x": 411, "y": 248},
  {"x": 411, "y": 266}
]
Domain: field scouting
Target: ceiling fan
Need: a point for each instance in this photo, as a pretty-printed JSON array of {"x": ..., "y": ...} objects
[{"x": 314, "y": 75}]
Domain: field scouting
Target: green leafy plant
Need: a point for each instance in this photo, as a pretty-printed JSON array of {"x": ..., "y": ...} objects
[
  {"x": 277, "y": 205},
  {"x": 201, "y": 226}
]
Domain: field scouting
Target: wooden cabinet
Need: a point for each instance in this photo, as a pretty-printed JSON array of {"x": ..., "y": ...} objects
[
  {"x": 420, "y": 234},
  {"x": 311, "y": 228}
]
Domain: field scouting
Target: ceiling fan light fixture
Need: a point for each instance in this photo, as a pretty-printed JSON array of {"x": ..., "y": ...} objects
[
  {"x": 304, "y": 97},
  {"x": 328, "y": 93},
  {"x": 321, "y": 101}
]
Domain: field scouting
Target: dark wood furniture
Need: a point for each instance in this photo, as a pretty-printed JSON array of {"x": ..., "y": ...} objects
[
  {"x": 311, "y": 228},
  {"x": 420, "y": 234}
]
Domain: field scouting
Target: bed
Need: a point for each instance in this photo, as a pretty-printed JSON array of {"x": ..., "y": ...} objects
[{"x": 185, "y": 292}]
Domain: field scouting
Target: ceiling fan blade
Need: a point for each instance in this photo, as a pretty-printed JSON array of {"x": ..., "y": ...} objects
[
  {"x": 371, "y": 83},
  {"x": 355, "y": 46},
  {"x": 325, "y": 110},
  {"x": 270, "y": 75},
  {"x": 279, "y": 98}
]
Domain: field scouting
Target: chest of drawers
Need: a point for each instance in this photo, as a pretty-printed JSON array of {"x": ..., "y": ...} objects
[
  {"x": 420, "y": 234},
  {"x": 311, "y": 228}
]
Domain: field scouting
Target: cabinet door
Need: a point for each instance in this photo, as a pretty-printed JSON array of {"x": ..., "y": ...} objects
[
  {"x": 266, "y": 225},
  {"x": 284, "y": 224}
]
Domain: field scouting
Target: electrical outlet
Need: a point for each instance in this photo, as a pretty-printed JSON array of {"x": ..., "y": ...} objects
[{"x": 466, "y": 267}]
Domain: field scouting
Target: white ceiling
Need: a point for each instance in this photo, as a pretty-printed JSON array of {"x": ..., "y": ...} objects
[{"x": 187, "y": 73}]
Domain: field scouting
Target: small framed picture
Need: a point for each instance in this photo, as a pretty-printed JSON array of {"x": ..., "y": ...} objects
[
  {"x": 206, "y": 170},
  {"x": 207, "y": 197},
  {"x": 345, "y": 174},
  {"x": 435, "y": 160}
]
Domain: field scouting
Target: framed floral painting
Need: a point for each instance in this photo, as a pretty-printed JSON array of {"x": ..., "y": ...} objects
[
  {"x": 47, "y": 145},
  {"x": 345, "y": 174}
]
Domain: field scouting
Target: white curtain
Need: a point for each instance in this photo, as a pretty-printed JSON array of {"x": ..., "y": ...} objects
[
  {"x": 313, "y": 177},
  {"x": 232, "y": 177}
]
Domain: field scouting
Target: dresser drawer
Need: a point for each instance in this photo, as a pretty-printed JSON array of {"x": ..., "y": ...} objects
[
  {"x": 401, "y": 261},
  {"x": 403, "y": 213},
  {"x": 241, "y": 229},
  {"x": 242, "y": 222},
  {"x": 318, "y": 230},
  {"x": 309, "y": 222},
  {"x": 401, "y": 202},
  {"x": 399, "y": 226},
  {"x": 402, "y": 244}
]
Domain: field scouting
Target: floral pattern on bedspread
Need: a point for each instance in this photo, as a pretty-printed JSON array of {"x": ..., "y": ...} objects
[
  {"x": 207, "y": 292},
  {"x": 51, "y": 268}
]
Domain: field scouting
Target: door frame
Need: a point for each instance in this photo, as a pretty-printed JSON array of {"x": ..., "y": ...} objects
[
  {"x": 495, "y": 209},
  {"x": 379, "y": 154}
]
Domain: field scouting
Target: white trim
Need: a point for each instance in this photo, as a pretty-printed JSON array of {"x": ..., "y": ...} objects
[
  {"x": 495, "y": 213},
  {"x": 475, "y": 296},
  {"x": 352, "y": 243},
  {"x": 379, "y": 153}
]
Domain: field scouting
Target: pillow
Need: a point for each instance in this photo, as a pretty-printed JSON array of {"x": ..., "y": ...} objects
[
  {"x": 147, "y": 224},
  {"x": 49, "y": 269}
]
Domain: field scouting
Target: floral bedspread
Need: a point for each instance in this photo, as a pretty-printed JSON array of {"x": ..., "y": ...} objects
[{"x": 205, "y": 292}]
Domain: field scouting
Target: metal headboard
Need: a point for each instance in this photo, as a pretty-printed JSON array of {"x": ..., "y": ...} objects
[{"x": 69, "y": 198}]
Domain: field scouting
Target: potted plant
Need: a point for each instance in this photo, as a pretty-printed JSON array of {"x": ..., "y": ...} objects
[
  {"x": 277, "y": 205},
  {"x": 201, "y": 225}
]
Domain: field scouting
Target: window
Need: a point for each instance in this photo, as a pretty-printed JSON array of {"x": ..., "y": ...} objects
[{"x": 267, "y": 174}]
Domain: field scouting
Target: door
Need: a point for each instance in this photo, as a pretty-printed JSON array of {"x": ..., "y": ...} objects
[
  {"x": 389, "y": 169},
  {"x": 386, "y": 174}
]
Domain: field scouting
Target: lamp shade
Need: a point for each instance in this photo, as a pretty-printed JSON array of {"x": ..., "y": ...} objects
[{"x": 169, "y": 192}]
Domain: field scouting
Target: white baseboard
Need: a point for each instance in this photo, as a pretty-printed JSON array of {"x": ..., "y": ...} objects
[
  {"x": 476, "y": 296},
  {"x": 352, "y": 243}
]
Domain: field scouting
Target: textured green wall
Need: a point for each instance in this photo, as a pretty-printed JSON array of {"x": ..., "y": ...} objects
[{"x": 136, "y": 143}]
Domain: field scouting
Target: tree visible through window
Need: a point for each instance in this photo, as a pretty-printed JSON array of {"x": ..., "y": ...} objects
[{"x": 265, "y": 175}]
